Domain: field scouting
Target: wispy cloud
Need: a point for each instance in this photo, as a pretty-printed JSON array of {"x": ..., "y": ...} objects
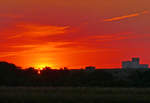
[
  {"x": 34, "y": 49},
  {"x": 111, "y": 37},
  {"x": 14, "y": 16},
  {"x": 32, "y": 30},
  {"x": 126, "y": 16}
]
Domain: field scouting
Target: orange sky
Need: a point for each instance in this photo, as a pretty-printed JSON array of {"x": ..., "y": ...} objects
[{"x": 74, "y": 33}]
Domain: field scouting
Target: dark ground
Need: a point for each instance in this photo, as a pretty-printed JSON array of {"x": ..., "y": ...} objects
[{"x": 73, "y": 95}]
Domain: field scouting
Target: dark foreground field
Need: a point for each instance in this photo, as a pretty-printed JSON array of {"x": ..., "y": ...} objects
[{"x": 74, "y": 95}]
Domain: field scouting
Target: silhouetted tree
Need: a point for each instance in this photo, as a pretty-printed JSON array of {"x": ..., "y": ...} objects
[{"x": 11, "y": 75}]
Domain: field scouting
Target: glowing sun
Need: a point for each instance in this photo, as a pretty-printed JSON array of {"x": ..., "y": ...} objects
[{"x": 41, "y": 66}]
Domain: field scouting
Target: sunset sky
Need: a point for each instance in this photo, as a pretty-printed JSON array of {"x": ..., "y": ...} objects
[{"x": 74, "y": 33}]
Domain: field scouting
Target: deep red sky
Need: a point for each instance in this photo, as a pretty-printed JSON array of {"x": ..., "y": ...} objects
[{"x": 74, "y": 33}]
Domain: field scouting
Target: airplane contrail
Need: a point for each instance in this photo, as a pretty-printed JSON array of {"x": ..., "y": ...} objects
[{"x": 126, "y": 16}]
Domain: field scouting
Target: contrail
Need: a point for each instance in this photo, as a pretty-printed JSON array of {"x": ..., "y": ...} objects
[{"x": 126, "y": 16}]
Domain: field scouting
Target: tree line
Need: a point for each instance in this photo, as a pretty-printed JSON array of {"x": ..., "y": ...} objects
[{"x": 11, "y": 75}]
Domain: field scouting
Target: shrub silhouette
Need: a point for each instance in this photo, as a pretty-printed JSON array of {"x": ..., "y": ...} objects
[{"x": 11, "y": 75}]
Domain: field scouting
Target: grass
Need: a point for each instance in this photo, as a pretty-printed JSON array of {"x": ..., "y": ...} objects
[{"x": 73, "y": 95}]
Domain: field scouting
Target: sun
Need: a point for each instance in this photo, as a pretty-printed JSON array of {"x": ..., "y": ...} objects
[{"x": 41, "y": 66}]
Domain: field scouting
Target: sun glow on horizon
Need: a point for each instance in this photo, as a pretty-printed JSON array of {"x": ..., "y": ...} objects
[{"x": 41, "y": 66}]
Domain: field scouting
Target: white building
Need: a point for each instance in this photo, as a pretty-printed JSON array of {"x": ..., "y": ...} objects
[{"x": 135, "y": 64}]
